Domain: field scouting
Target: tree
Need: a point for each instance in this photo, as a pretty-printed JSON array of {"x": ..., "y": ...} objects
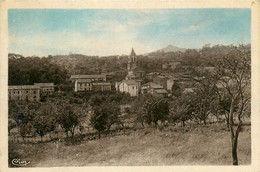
[
  {"x": 139, "y": 110},
  {"x": 104, "y": 116},
  {"x": 44, "y": 119},
  {"x": 205, "y": 94},
  {"x": 176, "y": 89},
  {"x": 181, "y": 110},
  {"x": 99, "y": 119},
  {"x": 67, "y": 117},
  {"x": 233, "y": 75},
  {"x": 11, "y": 125},
  {"x": 156, "y": 110}
]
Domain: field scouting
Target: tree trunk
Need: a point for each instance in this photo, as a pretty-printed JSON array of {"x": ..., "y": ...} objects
[
  {"x": 41, "y": 138},
  {"x": 72, "y": 132},
  {"x": 183, "y": 123},
  {"x": 227, "y": 120},
  {"x": 204, "y": 121},
  {"x": 234, "y": 135},
  {"x": 142, "y": 123},
  {"x": 234, "y": 150},
  {"x": 98, "y": 134}
]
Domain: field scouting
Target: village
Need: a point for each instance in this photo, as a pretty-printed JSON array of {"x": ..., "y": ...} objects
[{"x": 157, "y": 84}]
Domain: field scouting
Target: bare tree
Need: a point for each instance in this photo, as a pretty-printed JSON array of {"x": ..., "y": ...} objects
[{"x": 233, "y": 74}]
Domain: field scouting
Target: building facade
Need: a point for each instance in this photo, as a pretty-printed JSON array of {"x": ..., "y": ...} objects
[
  {"x": 90, "y": 83},
  {"x": 101, "y": 86},
  {"x": 154, "y": 89},
  {"x": 24, "y": 92},
  {"x": 161, "y": 80},
  {"x": 93, "y": 78},
  {"x": 129, "y": 86},
  {"x": 45, "y": 87}
]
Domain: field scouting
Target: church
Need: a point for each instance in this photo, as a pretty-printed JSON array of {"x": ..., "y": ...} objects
[
  {"x": 133, "y": 71},
  {"x": 132, "y": 82}
]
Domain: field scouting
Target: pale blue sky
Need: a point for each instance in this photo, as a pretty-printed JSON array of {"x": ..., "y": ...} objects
[{"x": 114, "y": 32}]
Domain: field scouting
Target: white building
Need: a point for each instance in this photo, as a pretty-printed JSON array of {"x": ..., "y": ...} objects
[{"x": 128, "y": 86}]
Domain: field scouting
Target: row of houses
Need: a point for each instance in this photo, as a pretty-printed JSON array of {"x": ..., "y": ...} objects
[{"x": 29, "y": 92}]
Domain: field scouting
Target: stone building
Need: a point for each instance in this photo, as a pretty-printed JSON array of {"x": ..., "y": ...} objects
[
  {"x": 24, "y": 92},
  {"x": 46, "y": 87},
  {"x": 154, "y": 89},
  {"x": 128, "y": 86},
  {"x": 101, "y": 86},
  {"x": 161, "y": 80},
  {"x": 90, "y": 83}
]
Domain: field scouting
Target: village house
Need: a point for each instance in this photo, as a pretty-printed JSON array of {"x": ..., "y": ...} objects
[
  {"x": 24, "y": 92},
  {"x": 161, "y": 80},
  {"x": 90, "y": 83},
  {"x": 154, "y": 89},
  {"x": 46, "y": 87},
  {"x": 101, "y": 86},
  {"x": 93, "y": 78},
  {"x": 152, "y": 75},
  {"x": 128, "y": 86}
]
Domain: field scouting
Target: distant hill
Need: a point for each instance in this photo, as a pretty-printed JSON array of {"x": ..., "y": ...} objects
[{"x": 171, "y": 48}]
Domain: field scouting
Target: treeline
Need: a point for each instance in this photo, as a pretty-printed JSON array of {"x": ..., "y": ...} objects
[
  {"x": 30, "y": 70},
  {"x": 58, "y": 68}
]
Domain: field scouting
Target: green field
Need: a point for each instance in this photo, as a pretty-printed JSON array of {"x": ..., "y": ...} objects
[{"x": 196, "y": 145}]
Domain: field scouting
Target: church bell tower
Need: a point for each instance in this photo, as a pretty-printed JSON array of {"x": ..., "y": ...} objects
[{"x": 132, "y": 60}]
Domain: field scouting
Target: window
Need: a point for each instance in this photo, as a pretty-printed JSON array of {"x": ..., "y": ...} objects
[
  {"x": 34, "y": 92},
  {"x": 14, "y": 92},
  {"x": 18, "y": 92},
  {"x": 27, "y": 91},
  {"x": 133, "y": 87}
]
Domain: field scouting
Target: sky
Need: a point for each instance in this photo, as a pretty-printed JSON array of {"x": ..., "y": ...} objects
[{"x": 44, "y": 32}]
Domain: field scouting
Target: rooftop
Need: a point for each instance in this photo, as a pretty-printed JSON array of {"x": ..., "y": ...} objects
[
  {"x": 153, "y": 85},
  {"x": 23, "y": 87},
  {"x": 102, "y": 83},
  {"x": 84, "y": 80},
  {"x": 44, "y": 84},
  {"x": 132, "y": 53},
  {"x": 161, "y": 91},
  {"x": 130, "y": 82},
  {"x": 87, "y": 76}
]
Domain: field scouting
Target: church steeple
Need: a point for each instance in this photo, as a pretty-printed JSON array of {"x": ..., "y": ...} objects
[
  {"x": 132, "y": 59},
  {"x": 132, "y": 53}
]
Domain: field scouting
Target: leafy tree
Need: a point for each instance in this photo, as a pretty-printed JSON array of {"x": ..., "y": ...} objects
[
  {"x": 181, "y": 110},
  {"x": 176, "y": 89},
  {"x": 67, "y": 117},
  {"x": 11, "y": 125},
  {"x": 44, "y": 119},
  {"x": 156, "y": 110},
  {"x": 139, "y": 110},
  {"x": 104, "y": 116}
]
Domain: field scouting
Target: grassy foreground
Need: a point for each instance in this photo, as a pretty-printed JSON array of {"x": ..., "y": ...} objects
[{"x": 198, "y": 145}]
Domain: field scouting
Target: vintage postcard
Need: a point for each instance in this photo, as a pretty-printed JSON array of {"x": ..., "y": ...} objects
[{"x": 132, "y": 85}]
